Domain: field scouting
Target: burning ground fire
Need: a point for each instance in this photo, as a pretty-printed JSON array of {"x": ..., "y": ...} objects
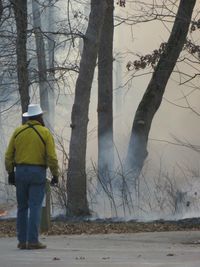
[
  {"x": 3, "y": 213},
  {"x": 7, "y": 210}
]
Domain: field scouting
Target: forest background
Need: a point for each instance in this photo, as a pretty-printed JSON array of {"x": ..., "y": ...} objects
[{"x": 63, "y": 54}]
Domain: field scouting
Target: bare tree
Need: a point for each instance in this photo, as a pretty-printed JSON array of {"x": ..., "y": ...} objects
[
  {"x": 51, "y": 75},
  {"x": 105, "y": 97},
  {"x": 137, "y": 150},
  {"x": 20, "y": 11},
  {"x": 41, "y": 59},
  {"x": 76, "y": 183}
]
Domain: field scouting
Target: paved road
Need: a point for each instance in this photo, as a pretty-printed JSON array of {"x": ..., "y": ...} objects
[{"x": 178, "y": 249}]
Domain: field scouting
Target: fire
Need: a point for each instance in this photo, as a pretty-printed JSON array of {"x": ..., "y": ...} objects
[{"x": 3, "y": 213}]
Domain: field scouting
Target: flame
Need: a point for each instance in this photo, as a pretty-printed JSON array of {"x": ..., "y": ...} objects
[{"x": 3, "y": 213}]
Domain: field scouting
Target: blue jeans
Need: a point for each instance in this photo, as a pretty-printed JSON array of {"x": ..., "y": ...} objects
[{"x": 30, "y": 190}]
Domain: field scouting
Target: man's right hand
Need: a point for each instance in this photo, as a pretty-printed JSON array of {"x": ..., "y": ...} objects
[{"x": 11, "y": 178}]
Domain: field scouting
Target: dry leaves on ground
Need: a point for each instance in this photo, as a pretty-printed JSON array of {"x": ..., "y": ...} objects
[{"x": 7, "y": 227}]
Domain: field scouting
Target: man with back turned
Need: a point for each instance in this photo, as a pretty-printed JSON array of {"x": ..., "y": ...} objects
[{"x": 30, "y": 151}]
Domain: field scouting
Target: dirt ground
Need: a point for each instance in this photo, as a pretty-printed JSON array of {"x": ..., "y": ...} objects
[{"x": 68, "y": 227}]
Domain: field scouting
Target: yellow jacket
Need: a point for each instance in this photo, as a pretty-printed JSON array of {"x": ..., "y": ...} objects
[{"x": 26, "y": 147}]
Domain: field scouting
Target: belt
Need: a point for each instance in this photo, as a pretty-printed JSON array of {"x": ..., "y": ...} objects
[{"x": 31, "y": 165}]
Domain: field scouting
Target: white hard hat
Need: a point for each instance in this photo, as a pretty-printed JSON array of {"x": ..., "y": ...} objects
[{"x": 33, "y": 110}]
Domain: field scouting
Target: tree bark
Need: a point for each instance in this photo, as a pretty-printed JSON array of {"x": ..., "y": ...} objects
[
  {"x": 137, "y": 150},
  {"x": 3, "y": 173},
  {"x": 51, "y": 75},
  {"x": 76, "y": 183},
  {"x": 44, "y": 99},
  {"x": 105, "y": 98},
  {"x": 41, "y": 59},
  {"x": 1, "y": 9},
  {"x": 20, "y": 11}
]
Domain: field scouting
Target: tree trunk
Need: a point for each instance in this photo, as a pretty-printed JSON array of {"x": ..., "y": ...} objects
[
  {"x": 76, "y": 184},
  {"x": 105, "y": 98},
  {"x": 41, "y": 59},
  {"x": 44, "y": 99},
  {"x": 1, "y": 9},
  {"x": 51, "y": 75},
  {"x": 20, "y": 11},
  {"x": 3, "y": 173},
  {"x": 137, "y": 150}
]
